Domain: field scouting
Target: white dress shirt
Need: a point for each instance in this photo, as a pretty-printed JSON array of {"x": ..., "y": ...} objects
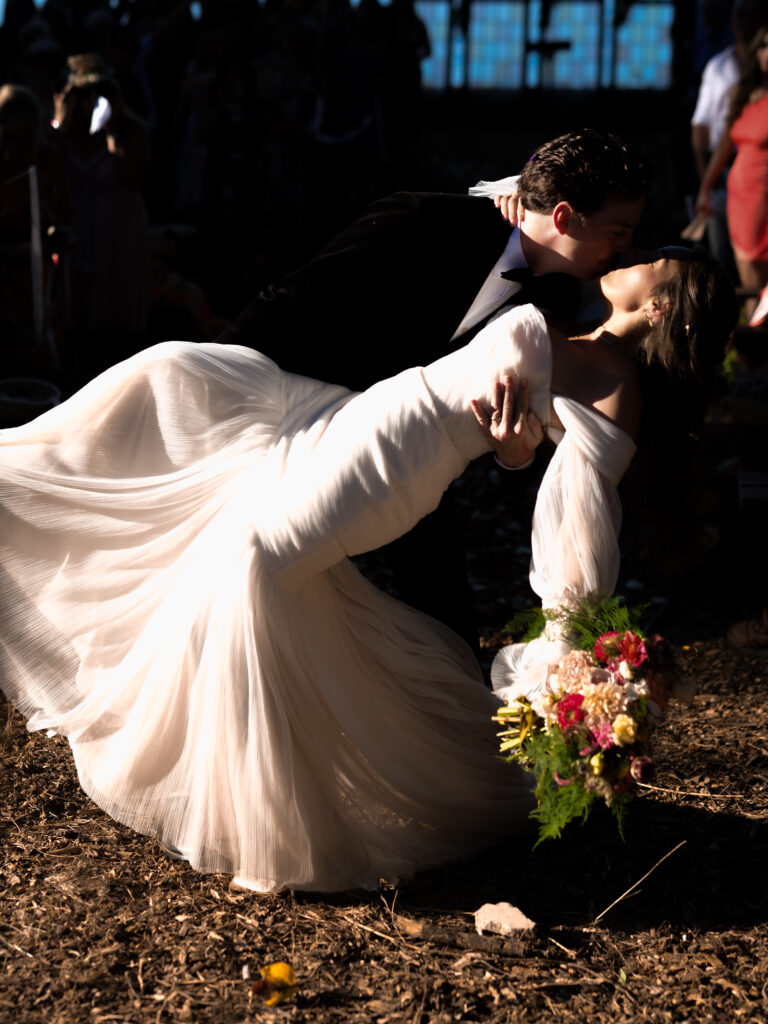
[{"x": 720, "y": 74}]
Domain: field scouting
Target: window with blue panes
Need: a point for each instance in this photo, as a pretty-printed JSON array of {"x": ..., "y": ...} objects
[
  {"x": 636, "y": 55},
  {"x": 436, "y": 16},
  {"x": 497, "y": 37},
  {"x": 578, "y": 67},
  {"x": 644, "y": 48}
]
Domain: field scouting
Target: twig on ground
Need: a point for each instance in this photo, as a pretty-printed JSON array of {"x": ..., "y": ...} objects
[
  {"x": 381, "y": 935},
  {"x": 638, "y": 882},
  {"x": 452, "y": 939},
  {"x": 18, "y": 949},
  {"x": 682, "y": 792},
  {"x": 565, "y": 949}
]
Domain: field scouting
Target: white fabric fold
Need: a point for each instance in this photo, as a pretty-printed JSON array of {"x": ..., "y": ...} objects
[
  {"x": 490, "y": 189},
  {"x": 176, "y": 601}
]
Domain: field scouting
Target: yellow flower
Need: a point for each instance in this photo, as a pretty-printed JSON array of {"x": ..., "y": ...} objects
[
  {"x": 624, "y": 729},
  {"x": 596, "y": 763},
  {"x": 523, "y": 719}
]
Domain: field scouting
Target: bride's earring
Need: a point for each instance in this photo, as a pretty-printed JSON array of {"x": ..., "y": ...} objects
[{"x": 650, "y": 317}]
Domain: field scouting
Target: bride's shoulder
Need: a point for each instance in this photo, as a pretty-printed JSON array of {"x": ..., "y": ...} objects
[
  {"x": 622, "y": 406},
  {"x": 600, "y": 379}
]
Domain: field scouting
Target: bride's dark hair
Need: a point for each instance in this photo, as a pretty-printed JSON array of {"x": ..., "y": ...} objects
[
  {"x": 689, "y": 341},
  {"x": 682, "y": 358}
]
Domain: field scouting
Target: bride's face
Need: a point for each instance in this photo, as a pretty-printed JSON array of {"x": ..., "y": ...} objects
[{"x": 631, "y": 288}]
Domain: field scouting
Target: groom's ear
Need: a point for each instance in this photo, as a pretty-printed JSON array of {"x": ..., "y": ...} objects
[{"x": 562, "y": 216}]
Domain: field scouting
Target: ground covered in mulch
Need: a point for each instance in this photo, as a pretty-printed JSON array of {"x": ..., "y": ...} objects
[{"x": 96, "y": 924}]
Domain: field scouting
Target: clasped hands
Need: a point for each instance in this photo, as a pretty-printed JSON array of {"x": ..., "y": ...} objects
[{"x": 512, "y": 429}]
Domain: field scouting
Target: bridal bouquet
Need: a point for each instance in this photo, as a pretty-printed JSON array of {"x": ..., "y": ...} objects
[{"x": 586, "y": 737}]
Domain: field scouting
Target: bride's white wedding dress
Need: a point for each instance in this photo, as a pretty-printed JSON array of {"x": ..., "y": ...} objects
[{"x": 176, "y": 600}]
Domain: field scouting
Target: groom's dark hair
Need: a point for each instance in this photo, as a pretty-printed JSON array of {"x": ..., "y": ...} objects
[{"x": 586, "y": 168}]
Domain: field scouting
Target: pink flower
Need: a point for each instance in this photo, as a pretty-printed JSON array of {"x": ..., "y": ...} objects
[
  {"x": 602, "y": 734},
  {"x": 606, "y": 646},
  {"x": 632, "y": 648},
  {"x": 569, "y": 712},
  {"x": 560, "y": 780},
  {"x": 612, "y": 666}
]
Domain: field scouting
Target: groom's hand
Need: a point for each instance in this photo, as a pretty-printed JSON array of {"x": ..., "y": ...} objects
[{"x": 512, "y": 429}]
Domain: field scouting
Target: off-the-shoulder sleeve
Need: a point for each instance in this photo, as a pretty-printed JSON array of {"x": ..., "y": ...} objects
[{"x": 575, "y": 547}]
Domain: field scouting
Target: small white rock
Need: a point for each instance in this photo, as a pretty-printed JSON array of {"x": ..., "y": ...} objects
[{"x": 501, "y": 918}]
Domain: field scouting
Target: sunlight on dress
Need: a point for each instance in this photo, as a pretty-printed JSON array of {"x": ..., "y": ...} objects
[{"x": 178, "y": 602}]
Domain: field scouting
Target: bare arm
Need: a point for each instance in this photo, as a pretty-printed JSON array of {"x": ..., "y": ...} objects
[
  {"x": 700, "y": 147},
  {"x": 715, "y": 167}
]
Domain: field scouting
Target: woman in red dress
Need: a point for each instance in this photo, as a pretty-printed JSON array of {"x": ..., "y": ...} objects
[{"x": 747, "y": 132}]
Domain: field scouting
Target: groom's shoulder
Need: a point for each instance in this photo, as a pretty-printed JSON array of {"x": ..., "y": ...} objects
[
  {"x": 432, "y": 207},
  {"x": 419, "y": 221},
  {"x": 416, "y": 199}
]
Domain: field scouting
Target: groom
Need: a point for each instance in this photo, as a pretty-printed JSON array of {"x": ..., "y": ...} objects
[{"x": 417, "y": 274}]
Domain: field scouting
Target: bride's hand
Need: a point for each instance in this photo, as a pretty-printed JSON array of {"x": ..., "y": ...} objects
[
  {"x": 508, "y": 205},
  {"x": 512, "y": 430}
]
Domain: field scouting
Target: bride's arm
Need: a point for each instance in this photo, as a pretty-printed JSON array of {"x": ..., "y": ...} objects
[
  {"x": 575, "y": 540},
  {"x": 361, "y": 474},
  {"x": 504, "y": 194}
]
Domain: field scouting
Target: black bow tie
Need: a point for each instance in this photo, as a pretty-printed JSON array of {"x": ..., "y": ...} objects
[
  {"x": 556, "y": 293},
  {"x": 522, "y": 274}
]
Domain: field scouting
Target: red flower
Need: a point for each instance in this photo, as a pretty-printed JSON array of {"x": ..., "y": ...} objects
[
  {"x": 606, "y": 646},
  {"x": 569, "y": 711},
  {"x": 632, "y": 648}
]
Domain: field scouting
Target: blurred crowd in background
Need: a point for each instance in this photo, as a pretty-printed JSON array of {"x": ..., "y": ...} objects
[
  {"x": 181, "y": 161},
  {"x": 161, "y": 161}
]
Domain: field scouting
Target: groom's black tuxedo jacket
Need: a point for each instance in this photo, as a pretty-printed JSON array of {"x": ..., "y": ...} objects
[{"x": 385, "y": 294}]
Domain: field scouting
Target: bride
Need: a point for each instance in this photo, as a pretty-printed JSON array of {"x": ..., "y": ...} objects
[{"x": 178, "y": 602}]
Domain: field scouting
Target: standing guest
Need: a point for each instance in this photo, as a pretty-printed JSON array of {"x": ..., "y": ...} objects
[
  {"x": 746, "y": 132},
  {"x": 707, "y": 126},
  {"x": 28, "y": 345},
  {"x": 107, "y": 162},
  {"x": 708, "y": 122}
]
